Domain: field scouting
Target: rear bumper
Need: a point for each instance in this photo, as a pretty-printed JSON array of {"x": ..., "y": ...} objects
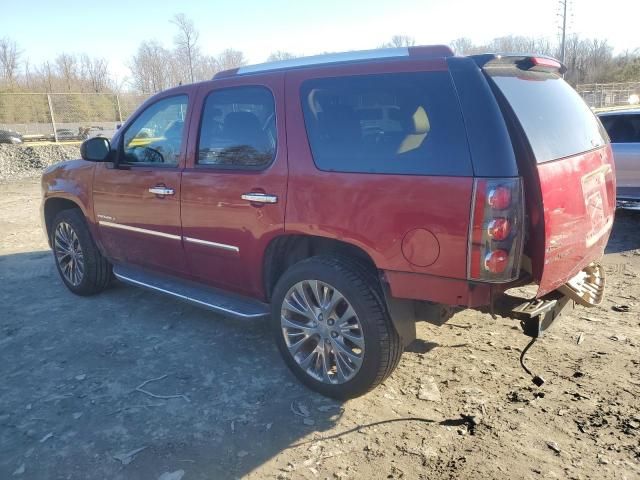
[
  {"x": 585, "y": 288},
  {"x": 447, "y": 291}
]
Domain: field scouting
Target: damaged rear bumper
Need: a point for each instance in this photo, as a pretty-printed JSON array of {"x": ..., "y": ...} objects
[{"x": 538, "y": 314}]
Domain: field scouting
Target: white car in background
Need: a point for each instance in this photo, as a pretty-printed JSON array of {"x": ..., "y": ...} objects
[{"x": 623, "y": 127}]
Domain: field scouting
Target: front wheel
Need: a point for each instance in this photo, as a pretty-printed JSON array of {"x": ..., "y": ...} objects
[
  {"x": 80, "y": 264},
  {"x": 332, "y": 327}
]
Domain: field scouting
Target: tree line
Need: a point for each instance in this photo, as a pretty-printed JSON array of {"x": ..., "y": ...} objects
[{"x": 154, "y": 67}]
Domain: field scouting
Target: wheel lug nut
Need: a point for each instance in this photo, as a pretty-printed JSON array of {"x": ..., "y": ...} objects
[
  {"x": 320, "y": 316},
  {"x": 334, "y": 334},
  {"x": 331, "y": 321}
]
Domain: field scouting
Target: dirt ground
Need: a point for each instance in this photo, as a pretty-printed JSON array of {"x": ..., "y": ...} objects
[{"x": 69, "y": 407}]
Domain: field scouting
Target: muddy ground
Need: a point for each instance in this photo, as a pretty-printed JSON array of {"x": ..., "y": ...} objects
[{"x": 70, "y": 366}]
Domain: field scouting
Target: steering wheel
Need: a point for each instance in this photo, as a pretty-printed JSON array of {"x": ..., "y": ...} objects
[{"x": 147, "y": 152}]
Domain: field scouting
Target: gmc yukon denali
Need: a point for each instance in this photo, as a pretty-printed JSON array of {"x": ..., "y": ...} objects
[{"x": 345, "y": 197}]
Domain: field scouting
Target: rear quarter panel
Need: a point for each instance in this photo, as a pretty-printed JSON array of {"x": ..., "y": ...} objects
[{"x": 375, "y": 211}]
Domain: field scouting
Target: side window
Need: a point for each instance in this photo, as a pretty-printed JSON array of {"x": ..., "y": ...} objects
[
  {"x": 622, "y": 128},
  {"x": 238, "y": 128},
  {"x": 400, "y": 123},
  {"x": 155, "y": 137}
]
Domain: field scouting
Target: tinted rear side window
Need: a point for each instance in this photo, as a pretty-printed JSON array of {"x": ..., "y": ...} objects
[
  {"x": 622, "y": 128},
  {"x": 554, "y": 117},
  {"x": 401, "y": 123}
]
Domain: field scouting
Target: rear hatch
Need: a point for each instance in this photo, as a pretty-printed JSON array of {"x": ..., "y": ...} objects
[{"x": 565, "y": 160}]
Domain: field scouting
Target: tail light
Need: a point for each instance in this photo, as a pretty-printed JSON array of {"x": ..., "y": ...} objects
[{"x": 497, "y": 230}]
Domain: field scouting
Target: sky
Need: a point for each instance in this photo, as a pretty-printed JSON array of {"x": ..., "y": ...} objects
[{"x": 115, "y": 28}]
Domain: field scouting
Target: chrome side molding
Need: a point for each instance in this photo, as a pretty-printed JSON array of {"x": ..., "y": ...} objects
[
  {"x": 121, "y": 226},
  {"x": 221, "y": 246}
]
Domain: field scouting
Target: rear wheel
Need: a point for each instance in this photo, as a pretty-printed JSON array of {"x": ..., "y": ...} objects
[
  {"x": 80, "y": 264},
  {"x": 332, "y": 327}
]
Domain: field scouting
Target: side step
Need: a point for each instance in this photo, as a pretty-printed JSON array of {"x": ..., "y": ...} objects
[{"x": 224, "y": 303}]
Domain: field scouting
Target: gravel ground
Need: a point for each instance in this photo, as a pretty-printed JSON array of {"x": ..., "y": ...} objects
[
  {"x": 458, "y": 406},
  {"x": 26, "y": 161}
]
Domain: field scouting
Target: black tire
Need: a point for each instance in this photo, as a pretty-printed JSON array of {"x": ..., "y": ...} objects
[
  {"x": 359, "y": 285},
  {"x": 97, "y": 270}
]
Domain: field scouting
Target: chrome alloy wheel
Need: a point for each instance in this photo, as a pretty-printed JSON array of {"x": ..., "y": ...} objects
[
  {"x": 68, "y": 251},
  {"x": 322, "y": 331}
]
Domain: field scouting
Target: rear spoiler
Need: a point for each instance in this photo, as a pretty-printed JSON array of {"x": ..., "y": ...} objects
[{"x": 534, "y": 63}]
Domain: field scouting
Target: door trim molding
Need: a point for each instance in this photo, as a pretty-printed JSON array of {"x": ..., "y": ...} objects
[
  {"x": 221, "y": 246},
  {"x": 139, "y": 230}
]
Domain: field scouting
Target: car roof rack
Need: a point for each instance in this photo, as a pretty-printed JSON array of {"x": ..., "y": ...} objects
[{"x": 426, "y": 51}]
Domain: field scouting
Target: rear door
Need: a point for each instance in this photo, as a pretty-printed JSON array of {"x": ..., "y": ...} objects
[
  {"x": 624, "y": 132},
  {"x": 235, "y": 185},
  {"x": 567, "y": 166}
]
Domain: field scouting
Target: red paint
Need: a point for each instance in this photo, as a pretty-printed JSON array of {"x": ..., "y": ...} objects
[
  {"x": 448, "y": 291},
  {"x": 374, "y": 211},
  {"x": 212, "y": 209},
  {"x": 420, "y": 247},
  {"x": 414, "y": 228},
  {"x": 578, "y": 207}
]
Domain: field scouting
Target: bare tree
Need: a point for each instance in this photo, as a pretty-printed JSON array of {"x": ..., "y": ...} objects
[
  {"x": 47, "y": 74},
  {"x": 519, "y": 44},
  {"x": 9, "y": 60},
  {"x": 280, "y": 55},
  {"x": 186, "y": 42},
  {"x": 398, "y": 41},
  {"x": 151, "y": 67},
  {"x": 67, "y": 69},
  {"x": 462, "y": 46},
  {"x": 588, "y": 60},
  {"x": 206, "y": 67},
  {"x": 230, "y": 58},
  {"x": 95, "y": 71}
]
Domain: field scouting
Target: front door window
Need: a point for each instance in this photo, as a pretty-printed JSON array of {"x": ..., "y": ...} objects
[{"x": 156, "y": 136}]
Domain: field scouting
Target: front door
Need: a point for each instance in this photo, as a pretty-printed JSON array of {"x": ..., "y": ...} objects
[
  {"x": 234, "y": 185},
  {"x": 137, "y": 199}
]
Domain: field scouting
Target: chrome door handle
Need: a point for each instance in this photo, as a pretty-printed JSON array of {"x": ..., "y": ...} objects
[
  {"x": 161, "y": 190},
  {"x": 258, "y": 197}
]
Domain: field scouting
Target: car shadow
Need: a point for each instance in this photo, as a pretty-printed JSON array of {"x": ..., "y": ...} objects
[
  {"x": 624, "y": 236},
  {"x": 129, "y": 383}
]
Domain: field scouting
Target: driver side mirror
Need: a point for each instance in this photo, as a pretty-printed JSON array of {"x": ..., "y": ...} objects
[{"x": 95, "y": 149}]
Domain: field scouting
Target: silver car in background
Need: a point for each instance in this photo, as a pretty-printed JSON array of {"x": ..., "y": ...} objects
[{"x": 623, "y": 127}]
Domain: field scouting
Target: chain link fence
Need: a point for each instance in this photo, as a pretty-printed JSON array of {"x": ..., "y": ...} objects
[
  {"x": 63, "y": 117},
  {"x": 73, "y": 117},
  {"x": 610, "y": 95}
]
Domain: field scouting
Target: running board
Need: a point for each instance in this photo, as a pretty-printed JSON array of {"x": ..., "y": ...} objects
[{"x": 219, "y": 301}]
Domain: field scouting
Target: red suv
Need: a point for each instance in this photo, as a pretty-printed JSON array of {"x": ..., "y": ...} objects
[{"x": 345, "y": 197}]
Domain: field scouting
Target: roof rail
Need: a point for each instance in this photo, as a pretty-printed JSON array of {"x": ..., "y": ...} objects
[{"x": 433, "y": 51}]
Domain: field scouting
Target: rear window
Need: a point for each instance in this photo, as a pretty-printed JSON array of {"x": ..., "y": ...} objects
[
  {"x": 622, "y": 128},
  {"x": 402, "y": 123},
  {"x": 554, "y": 117}
]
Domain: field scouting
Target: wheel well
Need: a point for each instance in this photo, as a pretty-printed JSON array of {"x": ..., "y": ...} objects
[
  {"x": 287, "y": 250},
  {"x": 52, "y": 207}
]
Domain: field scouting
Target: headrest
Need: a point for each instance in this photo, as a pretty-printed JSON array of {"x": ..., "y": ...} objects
[{"x": 419, "y": 122}]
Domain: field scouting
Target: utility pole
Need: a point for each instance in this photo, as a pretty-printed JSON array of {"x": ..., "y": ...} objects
[{"x": 563, "y": 6}]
